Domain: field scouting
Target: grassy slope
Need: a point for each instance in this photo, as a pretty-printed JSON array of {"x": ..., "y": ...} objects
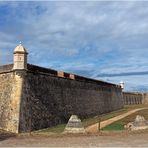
[
  {"x": 103, "y": 117},
  {"x": 93, "y": 120},
  {"x": 119, "y": 125}
]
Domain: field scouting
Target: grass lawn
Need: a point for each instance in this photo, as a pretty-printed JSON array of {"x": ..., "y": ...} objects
[
  {"x": 95, "y": 119},
  {"x": 115, "y": 126},
  {"x": 55, "y": 129}
]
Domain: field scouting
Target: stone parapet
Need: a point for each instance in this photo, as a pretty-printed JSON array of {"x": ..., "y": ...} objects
[
  {"x": 60, "y": 74},
  {"x": 72, "y": 76},
  {"x": 6, "y": 68}
]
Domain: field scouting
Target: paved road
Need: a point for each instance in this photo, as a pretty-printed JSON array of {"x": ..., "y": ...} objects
[{"x": 94, "y": 128}]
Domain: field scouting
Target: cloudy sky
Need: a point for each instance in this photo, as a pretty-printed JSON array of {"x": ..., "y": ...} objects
[{"x": 102, "y": 40}]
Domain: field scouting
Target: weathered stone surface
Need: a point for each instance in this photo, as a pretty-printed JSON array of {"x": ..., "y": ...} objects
[
  {"x": 60, "y": 74},
  {"x": 33, "y": 97},
  {"x": 6, "y": 68},
  {"x": 10, "y": 94},
  {"x": 139, "y": 119},
  {"x": 20, "y": 57},
  {"x": 72, "y": 76},
  {"x": 74, "y": 125},
  {"x": 51, "y": 100},
  {"x": 45, "y": 99},
  {"x": 133, "y": 98},
  {"x": 139, "y": 123},
  {"x": 145, "y": 101}
]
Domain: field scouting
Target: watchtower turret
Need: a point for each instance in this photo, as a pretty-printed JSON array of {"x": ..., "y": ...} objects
[
  {"x": 122, "y": 84},
  {"x": 20, "y": 57}
]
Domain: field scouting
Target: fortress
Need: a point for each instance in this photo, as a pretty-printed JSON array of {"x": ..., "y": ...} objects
[{"x": 36, "y": 97}]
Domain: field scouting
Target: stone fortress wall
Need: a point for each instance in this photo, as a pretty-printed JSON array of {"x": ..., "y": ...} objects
[
  {"x": 10, "y": 94},
  {"x": 145, "y": 101},
  {"x": 33, "y": 97},
  {"x": 43, "y": 97},
  {"x": 55, "y": 98},
  {"x": 131, "y": 98}
]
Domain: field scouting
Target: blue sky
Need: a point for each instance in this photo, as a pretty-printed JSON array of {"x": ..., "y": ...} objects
[{"x": 102, "y": 40}]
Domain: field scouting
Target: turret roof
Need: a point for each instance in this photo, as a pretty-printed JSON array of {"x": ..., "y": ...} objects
[{"x": 20, "y": 48}]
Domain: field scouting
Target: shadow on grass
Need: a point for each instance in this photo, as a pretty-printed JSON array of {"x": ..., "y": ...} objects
[
  {"x": 6, "y": 135},
  {"x": 55, "y": 129}
]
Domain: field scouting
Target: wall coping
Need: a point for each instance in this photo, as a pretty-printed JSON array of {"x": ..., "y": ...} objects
[
  {"x": 6, "y": 68},
  {"x": 42, "y": 70},
  {"x": 47, "y": 71},
  {"x": 135, "y": 93}
]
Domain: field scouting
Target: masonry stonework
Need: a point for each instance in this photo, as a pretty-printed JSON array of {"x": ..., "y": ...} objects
[
  {"x": 145, "y": 98},
  {"x": 49, "y": 100},
  {"x": 39, "y": 96},
  {"x": 33, "y": 97},
  {"x": 10, "y": 95},
  {"x": 131, "y": 98}
]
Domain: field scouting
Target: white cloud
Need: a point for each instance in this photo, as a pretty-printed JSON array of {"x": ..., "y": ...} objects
[{"x": 96, "y": 37}]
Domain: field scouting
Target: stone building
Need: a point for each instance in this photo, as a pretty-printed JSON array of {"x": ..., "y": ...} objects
[{"x": 33, "y": 97}]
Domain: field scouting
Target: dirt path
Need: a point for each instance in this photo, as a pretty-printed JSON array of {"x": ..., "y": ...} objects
[
  {"x": 105, "y": 140},
  {"x": 94, "y": 128}
]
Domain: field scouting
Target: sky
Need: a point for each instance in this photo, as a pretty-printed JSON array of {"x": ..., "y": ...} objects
[{"x": 105, "y": 40}]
